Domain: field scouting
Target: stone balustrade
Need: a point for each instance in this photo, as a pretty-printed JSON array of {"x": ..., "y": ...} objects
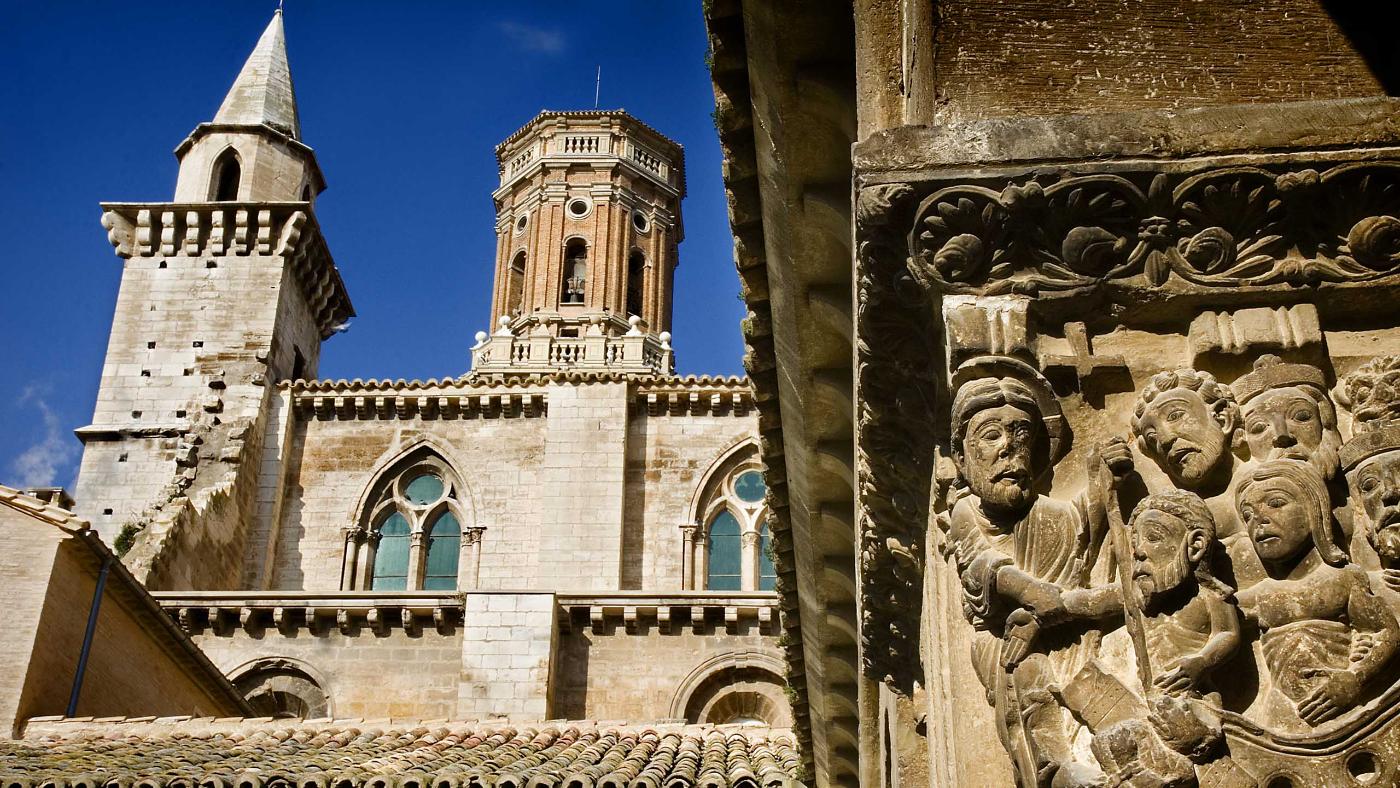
[
  {"x": 504, "y": 352},
  {"x": 601, "y": 144}
]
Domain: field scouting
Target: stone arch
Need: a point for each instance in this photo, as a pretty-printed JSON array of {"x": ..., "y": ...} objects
[
  {"x": 734, "y": 687},
  {"x": 741, "y": 452},
  {"x": 226, "y": 176},
  {"x": 386, "y": 497},
  {"x": 283, "y": 687},
  {"x": 391, "y": 460}
]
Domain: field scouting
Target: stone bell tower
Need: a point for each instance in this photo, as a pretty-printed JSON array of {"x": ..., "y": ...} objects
[
  {"x": 226, "y": 290},
  {"x": 588, "y": 219}
]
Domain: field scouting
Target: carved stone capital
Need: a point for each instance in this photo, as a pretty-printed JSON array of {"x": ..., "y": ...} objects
[{"x": 473, "y": 534}]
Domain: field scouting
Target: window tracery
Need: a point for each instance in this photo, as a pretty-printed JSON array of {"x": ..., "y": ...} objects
[
  {"x": 412, "y": 536},
  {"x": 727, "y": 548}
]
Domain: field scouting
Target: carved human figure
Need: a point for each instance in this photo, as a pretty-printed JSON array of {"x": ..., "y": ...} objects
[
  {"x": 1372, "y": 392},
  {"x": 1287, "y": 414},
  {"x": 1191, "y": 624},
  {"x": 1024, "y": 561},
  {"x": 1371, "y": 460},
  {"x": 1324, "y": 633},
  {"x": 1186, "y": 421}
]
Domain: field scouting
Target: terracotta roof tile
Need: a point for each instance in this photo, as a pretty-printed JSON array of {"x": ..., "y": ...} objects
[{"x": 261, "y": 753}]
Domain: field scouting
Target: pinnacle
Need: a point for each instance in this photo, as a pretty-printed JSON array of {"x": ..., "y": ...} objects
[{"x": 263, "y": 92}]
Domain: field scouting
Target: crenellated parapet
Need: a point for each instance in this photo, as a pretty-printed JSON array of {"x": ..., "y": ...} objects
[{"x": 212, "y": 230}]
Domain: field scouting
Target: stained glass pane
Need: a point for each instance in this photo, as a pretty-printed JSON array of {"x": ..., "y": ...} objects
[
  {"x": 749, "y": 486},
  {"x": 725, "y": 554},
  {"x": 391, "y": 556},
  {"x": 444, "y": 543},
  {"x": 423, "y": 490},
  {"x": 767, "y": 574}
]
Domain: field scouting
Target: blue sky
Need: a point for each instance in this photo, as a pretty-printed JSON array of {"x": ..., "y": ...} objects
[{"x": 403, "y": 103}]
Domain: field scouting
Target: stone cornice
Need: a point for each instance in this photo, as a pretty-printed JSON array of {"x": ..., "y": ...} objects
[
  {"x": 704, "y": 612},
  {"x": 286, "y": 229}
]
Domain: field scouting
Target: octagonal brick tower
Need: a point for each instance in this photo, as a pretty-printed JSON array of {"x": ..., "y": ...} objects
[{"x": 587, "y": 222}]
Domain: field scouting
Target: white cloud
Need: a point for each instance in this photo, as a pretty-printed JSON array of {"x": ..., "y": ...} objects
[
  {"x": 40, "y": 464},
  {"x": 533, "y": 39}
]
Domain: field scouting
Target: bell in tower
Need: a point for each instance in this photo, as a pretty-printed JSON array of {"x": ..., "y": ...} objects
[{"x": 587, "y": 224}]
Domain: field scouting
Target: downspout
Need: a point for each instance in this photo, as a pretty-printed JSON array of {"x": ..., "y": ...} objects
[{"x": 87, "y": 636}]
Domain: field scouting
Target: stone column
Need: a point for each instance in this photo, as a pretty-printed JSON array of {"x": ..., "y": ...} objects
[
  {"x": 469, "y": 573},
  {"x": 364, "y": 569},
  {"x": 417, "y": 546},
  {"x": 748, "y": 571},
  {"x": 702, "y": 559},
  {"x": 349, "y": 561},
  {"x": 688, "y": 531}
]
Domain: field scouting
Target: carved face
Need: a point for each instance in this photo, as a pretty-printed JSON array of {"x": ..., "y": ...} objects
[
  {"x": 997, "y": 449},
  {"x": 1164, "y": 552},
  {"x": 1185, "y": 437},
  {"x": 1276, "y": 514},
  {"x": 1376, "y": 483},
  {"x": 1286, "y": 423}
]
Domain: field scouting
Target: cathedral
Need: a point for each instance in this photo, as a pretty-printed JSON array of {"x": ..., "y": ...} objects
[{"x": 568, "y": 531}]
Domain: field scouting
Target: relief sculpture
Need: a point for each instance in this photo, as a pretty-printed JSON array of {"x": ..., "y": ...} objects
[{"x": 1185, "y": 570}]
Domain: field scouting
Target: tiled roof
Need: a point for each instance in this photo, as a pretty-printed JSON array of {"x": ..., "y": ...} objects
[{"x": 180, "y": 752}]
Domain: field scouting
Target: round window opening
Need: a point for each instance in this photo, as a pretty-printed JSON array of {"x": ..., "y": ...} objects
[
  {"x": 423, "y": 489},
  {"x": 749, "y": 487},
  {"x": 578, "y": 208},
  {"x": 520, "y": 224},
  {"x": 639, "y": 222}
]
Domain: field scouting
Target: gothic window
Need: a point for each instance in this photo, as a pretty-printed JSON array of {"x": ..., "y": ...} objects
[
  {"x": 575, "y": 271},
  {"x": 726, "y": 557},
  {"x": 411, "y": 536},
  {"x": 223, "y": 185},
  {"x": 727, "y": 546},
  {"x": 636, "y": 274},
  {"x": 515, "y": 285}
]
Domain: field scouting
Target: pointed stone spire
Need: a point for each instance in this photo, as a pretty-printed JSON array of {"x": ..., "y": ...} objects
[{"x": 263, "y": 91}]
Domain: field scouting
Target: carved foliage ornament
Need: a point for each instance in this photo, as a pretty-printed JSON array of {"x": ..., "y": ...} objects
[{"x": 1227, "y": 227}]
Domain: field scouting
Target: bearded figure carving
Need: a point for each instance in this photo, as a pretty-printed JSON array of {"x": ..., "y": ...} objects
[
  {"x": 1024, "y": 560},
  {"x": 1186, "y": 421},
  {"x": 1288, "y": 415},
  {"x": 1190, "y": 620},
  {"x": 1371, "y": 460},
  {"x": 1324, "y": 633}
]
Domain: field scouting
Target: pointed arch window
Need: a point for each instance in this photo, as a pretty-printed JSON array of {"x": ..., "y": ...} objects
[
  {"x": 411, "y": 535},
  {"x": 725, "y": 564},
  {"x": 727, "y": 546},
  {"x": 225, "y": 178},
  {"x": 575, "y": 271}
]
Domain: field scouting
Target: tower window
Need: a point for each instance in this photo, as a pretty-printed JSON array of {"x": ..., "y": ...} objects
[
  {"x": 636, "y": 275},
  {"x": 515, "y": 284},
  {"x": 227, "y": 173},
  {"x": 521, "y": 223},
  {"x": 575, "y": 271},
  {"x": 578, "y": 208},
  {"x": 640, "y": 223},
  {"x": 767, "y": 574}
]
